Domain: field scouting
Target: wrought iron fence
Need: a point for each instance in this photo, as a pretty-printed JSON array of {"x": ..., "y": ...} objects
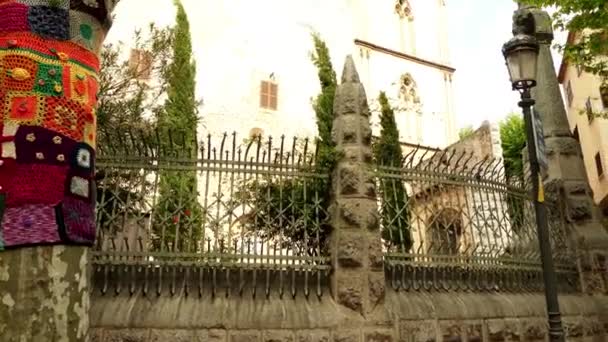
[
  {"x": 452, "y": 221},
  {"x": 224, "y": 215}
]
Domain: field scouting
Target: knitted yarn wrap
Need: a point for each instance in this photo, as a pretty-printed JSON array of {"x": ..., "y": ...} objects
[{"x": 48, "y": 94}]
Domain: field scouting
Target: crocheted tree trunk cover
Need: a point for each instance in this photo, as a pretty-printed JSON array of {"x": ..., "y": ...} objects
[{"x": 48, "y": 93}]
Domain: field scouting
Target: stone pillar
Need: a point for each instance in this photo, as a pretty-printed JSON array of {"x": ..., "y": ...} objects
[
  {"x": 48, "y": 92},
  {"x": 358, "y": 277},
  {"x": 566, "y": 178}
]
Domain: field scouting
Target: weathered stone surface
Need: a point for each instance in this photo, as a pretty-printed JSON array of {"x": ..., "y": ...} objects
[
  {"x": 127, "y": 335},
  {"x": 278, "y": 336},
  {"x": 377, "y": 288},
  {"x": 313, "y": 336},
  {"x": 534, "y": 330},
  {"x": 451, "y": 330},
  {"x": 96, "y": 335},
  {"x": 172, "y": 335},
  {"x": 351, "y": 335},
  {"x": 573, "y": 327},
  {"x": 351, "y": 100},
  {"x": 375, "y": 253},
  {"x": 349, "y": 177},
  {"x": 417, "y": 331},
  {"x": 245, "y": 336},
  {"x": 378, "y": 336},
  {"x": 579, "y": 209},
  {"x": 503, "y": 330},
  {"x": 211, "y": 335},
  {"x": 358, "y": 213},
  {"x": 350, "y": 249},
  {"x": 473, "y": 331},
  {"x": 350, "y": 292}
]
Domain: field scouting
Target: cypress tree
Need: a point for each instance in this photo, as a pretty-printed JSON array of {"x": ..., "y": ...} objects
[
  {"x": 178, "y": 212},
  {"x": 387, "y": 152}
]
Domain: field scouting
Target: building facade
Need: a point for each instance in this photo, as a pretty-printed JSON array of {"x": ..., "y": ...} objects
[
  {"x": 255, "y": 74},
  {"x": 585, "y": 98}
]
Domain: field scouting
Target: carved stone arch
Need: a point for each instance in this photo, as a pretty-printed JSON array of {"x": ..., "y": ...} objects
[{"x": 403, "y": 8}]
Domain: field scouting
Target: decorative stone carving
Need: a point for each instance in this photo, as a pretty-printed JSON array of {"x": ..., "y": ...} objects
[
  {"x": 404, "y": 9},
  {"x": 408, "y": 91}
]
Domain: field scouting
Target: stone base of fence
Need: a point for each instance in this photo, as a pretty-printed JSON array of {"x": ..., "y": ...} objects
[{"x": 405, "y": 317}]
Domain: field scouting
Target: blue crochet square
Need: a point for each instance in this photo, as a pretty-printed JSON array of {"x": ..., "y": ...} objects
[{"x": 50, "y": 22}]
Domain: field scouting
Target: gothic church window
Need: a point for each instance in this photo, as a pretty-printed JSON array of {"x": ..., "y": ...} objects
[
  {"x": 445, "y": 232},
  {"x": 269, "y": 95},
  {"x": 408, "y": 91}
]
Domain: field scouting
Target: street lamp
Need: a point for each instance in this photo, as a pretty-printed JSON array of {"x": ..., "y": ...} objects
[{"x": 521, "y": 55}]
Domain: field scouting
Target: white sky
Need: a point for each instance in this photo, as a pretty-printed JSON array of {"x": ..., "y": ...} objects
[{"x": 477, "y": 30}]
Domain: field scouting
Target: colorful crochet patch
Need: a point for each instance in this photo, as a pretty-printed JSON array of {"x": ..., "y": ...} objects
[
  {"x": 29, "y": 225},
  {"x": 13, "y": 17},
  {"x": 76, "y": 220},
  {"x": 48, "y": 95}
]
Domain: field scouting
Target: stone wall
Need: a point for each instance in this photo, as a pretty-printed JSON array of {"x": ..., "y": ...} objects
[{"x": 408, "y": 316}]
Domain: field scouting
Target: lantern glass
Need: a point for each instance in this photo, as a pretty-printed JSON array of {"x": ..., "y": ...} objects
[{"x": 522, "y": 64}]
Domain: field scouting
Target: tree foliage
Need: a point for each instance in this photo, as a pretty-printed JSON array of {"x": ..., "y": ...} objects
[
  {"x": 178, "y": 214},
  {"x": 513, "y": 141},
  {"x": 387, "y": 152},
  {"x": 125, "y": 106},
  {"x": 465, "y": 132},
  {"x": 292, "y": 210},
  {"x": 589, "y": 17}
]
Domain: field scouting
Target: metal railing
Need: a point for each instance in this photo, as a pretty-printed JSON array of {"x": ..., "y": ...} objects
[
  {"x": 452, "y": 221},
  {"x": 224, "y": 215}
]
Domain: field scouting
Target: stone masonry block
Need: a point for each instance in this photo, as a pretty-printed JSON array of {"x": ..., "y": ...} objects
[
  {"x": 351, "y": 249},
  {"x": 418, "y": 331},
  {"x": 358, "y": 213},
  {"x": 351, "y": 99},
  {"x": 375, "y": 254},
  {"x": 312, "y": 336},
  {"x": 473, "y": 331},
  {"x": 349, "y": 178},
  {"x": 377, "y": 288},
  {"x": 349, "y": 291},
  {"x": 172, "y": 335},
  {"x": 579, "y": 208},
  {"x": 212, "y": 335},
  {"x": 534, "y": 329},
  {"x": 451, "y": 330},
  {"x": 126, "y": 335},
  {"x": 358, "y": 154},
  {"x": 378, "y": 336},
  {"x": 503, "y": 330},
  {"x": 278, "y": 336},
  {"x": 245, "y": 336},
  {"x": 350, "y": 335},
  {"x": 96, "y": 335},
  {"x": 573, "y": 327}
]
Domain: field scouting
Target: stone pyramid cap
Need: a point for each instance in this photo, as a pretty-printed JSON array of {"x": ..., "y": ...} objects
[{"x": 349, "y": 73}]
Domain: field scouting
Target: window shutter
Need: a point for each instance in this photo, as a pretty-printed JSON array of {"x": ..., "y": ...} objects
[
  {"x": 273, "y": 96},
  {"x": 264, "y": 94}
]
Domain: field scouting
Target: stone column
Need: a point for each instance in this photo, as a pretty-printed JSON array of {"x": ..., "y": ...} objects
[
  {"x": 48, "y": 92},
  {"x": 566, "y": 178},
  {"x": 358, "y": 277}
]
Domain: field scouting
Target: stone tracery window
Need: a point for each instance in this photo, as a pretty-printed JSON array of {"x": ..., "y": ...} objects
[
  {"x": 404, "y": 9},
  {"x": 408, "y": 91}
]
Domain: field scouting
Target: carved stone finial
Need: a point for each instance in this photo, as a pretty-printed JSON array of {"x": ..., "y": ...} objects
[{"x": 349, "y": 73}]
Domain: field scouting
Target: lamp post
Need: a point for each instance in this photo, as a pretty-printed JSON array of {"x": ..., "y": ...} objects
[{"x": 521, "y": 54}]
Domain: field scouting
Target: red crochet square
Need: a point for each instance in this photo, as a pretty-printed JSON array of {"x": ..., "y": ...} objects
[
  {"x": 29, "y": 224},
  {"x": 13, "y": 17},
  {"x": 37, "y": 184},
  {"x": 66, "y": 117},
  {"x": 23, "y": 108}
]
